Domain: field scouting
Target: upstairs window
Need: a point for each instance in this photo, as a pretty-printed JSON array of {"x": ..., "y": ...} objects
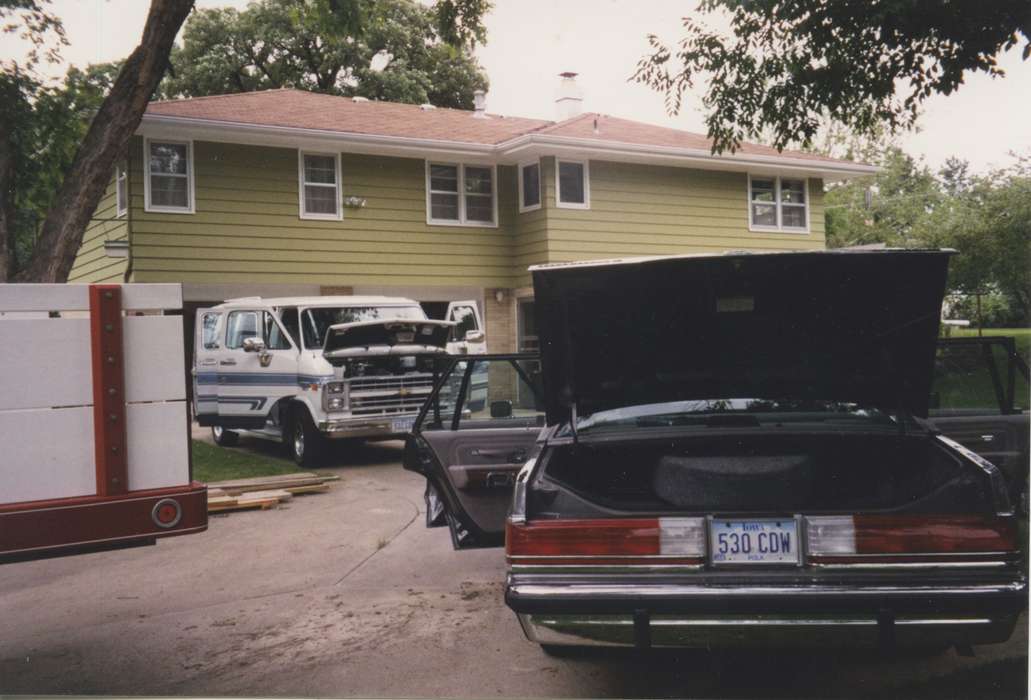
[
  {"x": 320, "y": 186},
  {"x": 169, "y": 181},
  {"x": 574, "y": 190},
  {"x": 461, "y": 195},
  {"x": 778, "y": 204},
  {"x": 121, "y": 191},
  {"x": 530, "y": 186}
]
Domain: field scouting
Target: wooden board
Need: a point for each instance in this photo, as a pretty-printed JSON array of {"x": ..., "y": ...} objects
[{"x": 75, "y": 297}]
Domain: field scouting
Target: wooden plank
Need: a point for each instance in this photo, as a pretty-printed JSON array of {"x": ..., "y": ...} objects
[
  {"x": 154, "y": 359},
  {"x": 48, "y": 453},
  {"x": 75, "y": 297},
  {"x": 315, "y": 488},
  {"x": 278, "y": 494},
  {"x": 158, "y": 448},
  {"x": 259, "y": 480},
  {"x": 261, "y": 486}
]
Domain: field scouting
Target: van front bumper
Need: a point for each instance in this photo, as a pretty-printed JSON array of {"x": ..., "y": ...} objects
[
  {"x": 377, "y": 427},
  {"x": 653, "y": 614}
]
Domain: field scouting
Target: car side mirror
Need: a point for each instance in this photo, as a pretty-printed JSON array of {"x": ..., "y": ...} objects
[
  {"x": 474, "y": 336},
  {"x": 500, "y": 409},
  {"x": 253, "y": 345}
]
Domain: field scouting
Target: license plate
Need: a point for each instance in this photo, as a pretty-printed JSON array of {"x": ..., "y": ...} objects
[
  {"x": 402, "y": 425},
  {"x": 754, "y": 541}
]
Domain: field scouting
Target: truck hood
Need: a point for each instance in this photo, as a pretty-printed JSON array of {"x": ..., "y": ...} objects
[
  {"x": 392, "y": 337},
  {"x": 846, "y": 325}
]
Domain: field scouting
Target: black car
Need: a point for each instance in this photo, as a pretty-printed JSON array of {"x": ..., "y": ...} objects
[{"x": 722, "y": 450}]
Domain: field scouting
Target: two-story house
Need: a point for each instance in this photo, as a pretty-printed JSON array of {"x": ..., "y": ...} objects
[{"x": 290, "y": 192}]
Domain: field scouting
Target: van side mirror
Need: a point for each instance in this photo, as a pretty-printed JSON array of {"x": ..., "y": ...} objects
[
  {"x": 253, "y": 345},
  {"x": 500, "y": 409},
  {"x": 474, "y": 336}
]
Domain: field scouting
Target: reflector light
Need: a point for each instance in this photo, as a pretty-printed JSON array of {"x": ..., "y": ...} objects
[
  {"x": 608, "y": 541},
  {"x": 833, "y": 536}
]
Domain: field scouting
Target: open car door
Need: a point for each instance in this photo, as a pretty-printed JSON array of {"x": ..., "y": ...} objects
[
  {"x": 476, "y": 431},
  {"x": 980, "y": 400},
  {"x": 206, "y": 349}
]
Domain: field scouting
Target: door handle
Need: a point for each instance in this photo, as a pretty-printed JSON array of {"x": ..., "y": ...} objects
[
  {"x": 228, "y": 363},
  {"x": 987, "y": 438},
  {"x": 513, "y": 457},
  {"x": 208, "y": 362},
  {"x": 499, "y": 480}
]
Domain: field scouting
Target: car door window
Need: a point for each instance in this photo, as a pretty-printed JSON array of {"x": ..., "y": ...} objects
[
  {"x": 240, "y": 326},
  {"x": 973, "y": 376},
  {"x": 209, "y": 330},
  {"x": 292, "y": 324},
  {"x": 465, "y": 321},
  {"x": 492, "y": 393},
  {"x": 272, "y": 334}
]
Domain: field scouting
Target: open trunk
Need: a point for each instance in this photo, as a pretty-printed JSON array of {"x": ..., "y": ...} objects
[{"x": 762, "y": 473}]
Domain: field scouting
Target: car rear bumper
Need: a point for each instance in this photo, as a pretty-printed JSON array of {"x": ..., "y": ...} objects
[{"x": 685, "y": 615}]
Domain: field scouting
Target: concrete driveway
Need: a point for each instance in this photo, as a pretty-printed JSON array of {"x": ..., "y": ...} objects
[{"x": 347, "y": 594}]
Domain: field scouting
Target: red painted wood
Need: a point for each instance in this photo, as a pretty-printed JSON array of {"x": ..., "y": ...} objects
[
  {"x": 42, "y": 525},
  {"x": 108, "y": 354}
]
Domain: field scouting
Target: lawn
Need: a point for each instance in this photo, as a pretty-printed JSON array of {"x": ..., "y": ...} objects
[
  {"x": 213, "y": 463},
  {"x": 1022, "y": 337}
]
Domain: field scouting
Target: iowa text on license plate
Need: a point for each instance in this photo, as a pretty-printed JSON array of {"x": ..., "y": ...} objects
[{"x": 767, "y": 541}]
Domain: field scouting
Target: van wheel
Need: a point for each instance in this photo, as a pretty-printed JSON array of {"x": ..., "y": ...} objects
[
  {"x": 223, "y": 437},
  {"x": 304, "y": 440}
]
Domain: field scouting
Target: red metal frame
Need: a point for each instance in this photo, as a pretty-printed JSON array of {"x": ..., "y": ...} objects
[{"x": 108, "y": 351}]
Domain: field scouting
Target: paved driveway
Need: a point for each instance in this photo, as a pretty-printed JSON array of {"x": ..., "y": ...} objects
[{"x": 347, "y": 594}]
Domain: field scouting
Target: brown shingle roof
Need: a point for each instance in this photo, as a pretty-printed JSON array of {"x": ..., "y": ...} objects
[
  {"x": 309, "y": 110},
  {"x": 606, "y": 129}
]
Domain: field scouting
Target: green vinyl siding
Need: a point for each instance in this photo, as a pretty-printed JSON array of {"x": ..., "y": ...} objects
[
  {"x": 247, "y": 227},
  {"x": 91, "y": 262}
]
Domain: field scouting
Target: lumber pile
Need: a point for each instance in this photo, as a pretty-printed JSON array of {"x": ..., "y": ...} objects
[{"x": 264, "y": 492}]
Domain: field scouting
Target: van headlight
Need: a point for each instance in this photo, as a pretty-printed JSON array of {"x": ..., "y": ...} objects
[{"x": 335, "y": 396}]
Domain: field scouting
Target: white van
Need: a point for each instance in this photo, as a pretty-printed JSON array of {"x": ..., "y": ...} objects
[{"x": 303, "y": 369}]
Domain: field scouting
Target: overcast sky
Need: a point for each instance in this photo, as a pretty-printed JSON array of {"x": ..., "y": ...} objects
[{"x": 531, "y": 41}]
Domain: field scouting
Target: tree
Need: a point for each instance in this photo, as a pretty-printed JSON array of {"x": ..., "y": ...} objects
[
  {"x": 791, "y": 63},
  {"x": 986, "y": 218},
  {"x": 293, "y": 43}
]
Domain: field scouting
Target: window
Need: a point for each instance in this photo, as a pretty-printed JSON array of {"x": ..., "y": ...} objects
[
  {"x": 462, "y": 195},
  {"x": 465, "y": 320},
  {"x": 169, "y": 181},
  {"x": 121, "y": 191},
  {"x": 494, "y": 393},
  {"x": 530, "y": 186},
  {"x": 778, "y": 204},
  {"x": 574, "y": 190},
  {"x": 292, "y": 323},
  {"x": 320, "y": 186},
  {"x": 240, "y": 326},
  {"x": 209, "y": 324}
]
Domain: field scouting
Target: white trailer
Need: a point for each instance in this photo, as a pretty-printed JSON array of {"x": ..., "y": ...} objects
[{"x": 94, "y": 425}]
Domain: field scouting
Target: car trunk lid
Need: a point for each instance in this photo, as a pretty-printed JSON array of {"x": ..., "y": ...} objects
[{"x": 845, "y": 325}]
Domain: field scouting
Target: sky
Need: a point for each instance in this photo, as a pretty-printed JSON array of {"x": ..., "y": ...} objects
[{"x": 531, "y": 41}]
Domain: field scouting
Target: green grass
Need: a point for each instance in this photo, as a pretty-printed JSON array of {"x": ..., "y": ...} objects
[
  {"x": 213, "y": 463},
  {"x": 1022, "y": 337}
]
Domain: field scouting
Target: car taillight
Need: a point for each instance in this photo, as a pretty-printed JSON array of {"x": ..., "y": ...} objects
[
  {"x": 607, "y": 541},
  {"x": 894, "y": 538}
]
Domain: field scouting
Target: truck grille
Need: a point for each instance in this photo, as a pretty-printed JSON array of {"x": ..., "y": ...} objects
[{"x": 395, "y": 394}]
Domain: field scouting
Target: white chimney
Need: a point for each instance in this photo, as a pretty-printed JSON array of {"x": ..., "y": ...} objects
[
  {"x": 480, "y": 104},
  {"x": 570, "y": 98}
]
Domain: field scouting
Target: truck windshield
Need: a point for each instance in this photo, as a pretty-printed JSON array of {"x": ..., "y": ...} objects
[
  {"x": 315, "y": 321},
  {"x": 737, "y": 412}
]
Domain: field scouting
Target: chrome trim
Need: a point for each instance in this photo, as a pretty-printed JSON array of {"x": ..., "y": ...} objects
[
  {"x": 912, "y": 565},
  {"x": 588, "y": 568},
  {"x": 658, "y": 590},
  {"x": 591, "y": 557}
]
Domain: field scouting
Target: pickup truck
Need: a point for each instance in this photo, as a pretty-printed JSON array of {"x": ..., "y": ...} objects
[{"x": 306, "y": 370}]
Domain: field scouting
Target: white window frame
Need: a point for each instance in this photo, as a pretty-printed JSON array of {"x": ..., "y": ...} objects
[
  {"x": 301, "y": 213},
  {"x": 462, "y": 221},
  {"x": 190, "y": 193},
  {"x": 587, "y": 185},
  {"x": 121, "y": 186},
  {"x": 540, "y": 186},
  {"x": 779, "y": 228}
]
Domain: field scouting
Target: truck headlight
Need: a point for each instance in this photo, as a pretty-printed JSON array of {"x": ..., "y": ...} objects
[{"x": 335, "y": 396}]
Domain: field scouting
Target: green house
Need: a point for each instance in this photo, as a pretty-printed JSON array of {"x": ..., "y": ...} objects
[{"x": 286, "y": 192}]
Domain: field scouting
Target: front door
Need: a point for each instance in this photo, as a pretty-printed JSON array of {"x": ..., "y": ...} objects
[
  {"x": 467, "y": 335},
  {"x": 253, "y": 376},
  {"x": 471, "y": 439}
]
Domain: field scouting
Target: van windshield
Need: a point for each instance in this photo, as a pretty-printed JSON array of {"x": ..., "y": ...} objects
[{"x": 316, "y": 321}]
